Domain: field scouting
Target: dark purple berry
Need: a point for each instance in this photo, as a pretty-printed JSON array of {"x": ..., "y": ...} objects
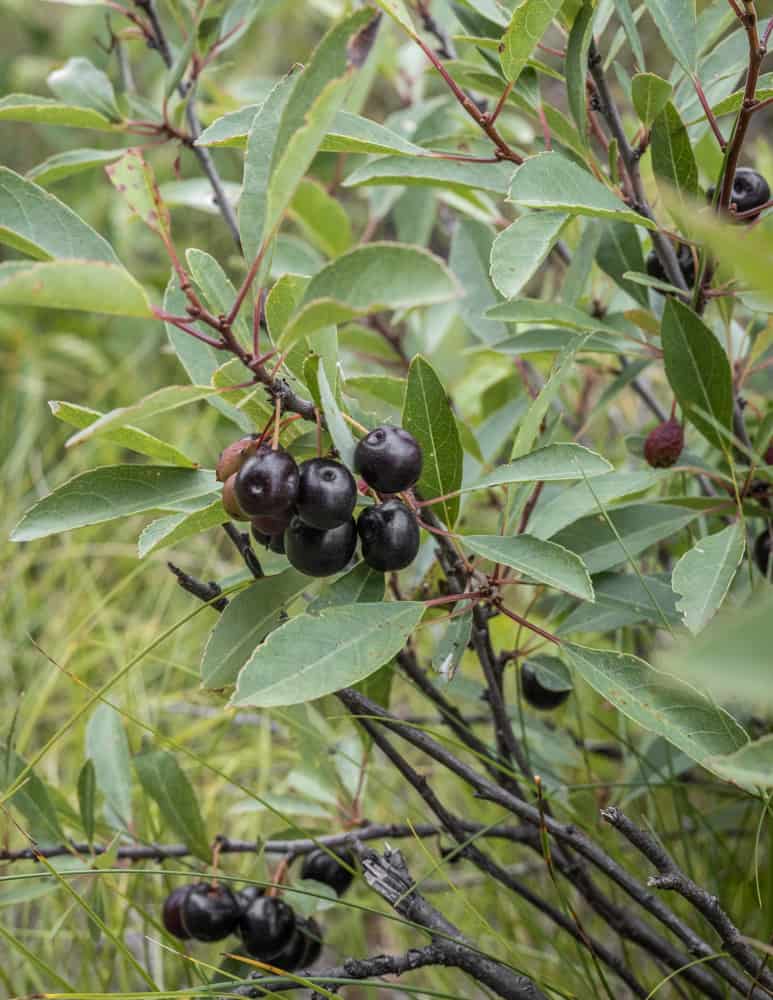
[
  {"x": 390, "y": 536},
  {"x": 171, "y": 914},
  {"x": 686, "y": 265},
  {"x": 762, "y": 550},
  {"x": 209, "y": 912},
  {"x": 750, "y": 191},
  {"x": 664, "y": 444},
  {"x": 537, "y": 693},
  {"x": 313, "y": 934},
  {"x": 330, "y": 869},
  {"x": 292, "y": 956},
  {"x": 247, "y": 896},
  {"x": 267, "y": 483},
  {"x": 327, "y": 493},
  {"x": 266, "y": 926},
  {"x": 389, "y": 459},
  {"x": 272, "y": 525},
  {"x": 320, "y": 553}
]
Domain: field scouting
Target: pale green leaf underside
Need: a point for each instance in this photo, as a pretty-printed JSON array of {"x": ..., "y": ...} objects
[{"x": 704, "y": 574}]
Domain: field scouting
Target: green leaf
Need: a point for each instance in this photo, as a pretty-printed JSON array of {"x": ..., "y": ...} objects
[
  {"x": 704, "y": 574},
  {"x": 237, "y": 19},
  {"x": 38, "y": 224},
  {"x": 520, "y": 250},
  {"x": 166, "y": 783},
  {"x": 638, "y": 525},
  {"x": 539, "y": 311},
  {"x": 554, "y": 463},
  {"x": 677, "y": 24},
  {"x": 619, "y": 252},
  {"x": 174, "y": 528},
  {"x": 47, "y": 111},
  {"x": 245, "y": 623},
  {"x": 576, "y": 67},
  {"x": 470, "y": 260},
  {"x": 133, "y": 177},
  {"x": 543, "y": 562},
  {"x": 370, "y": 279},
  {"x": 550, "y": 180},
  {"x": 82, "y": 285},
  {"x": 434, "y": 172},
  {"x": 111, "y": 492},
  {"x": 698, "y": 371},
  {"x": 397, "y": 10},
  {"x": 127, "y": 437},
  {"x": 427, "y": 414},
  {"x": 673, "y": 159},
  {"x": 87, "y": 794},
  {"x": 350, "y": 133},
  {"x": 108, "y": 749},
  {"x": 230, "y": 129},
  {"x": 751, "y": 766},
  {"x": 650, "y": 95},
  {"x": 451, "y": 646},
  {"x": 551, "y": 672},
  {"x": 171, "y": 397},
  {"x": 311, "y": 656},
  {"x": 261, "y": 141},
  {"x": 31, "y": 799},
  {"x": 529, "y": 22},
  {"x": 72, "y": 161},
  {"x": 360, "y": 585},
  {"x": 322, "y": 219},
  {"x": 678, "y": 712},
  {"x": 80, "y": 83},
  {"x": 623, "y": 599},
  {"x": 338, "y": 427}
]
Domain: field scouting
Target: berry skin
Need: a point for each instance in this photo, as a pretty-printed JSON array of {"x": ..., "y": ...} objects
[
  {"x": 267, "y": 483},
  {"x": 247, "y": 896},
  {"x": 389, "y": 459},
  {"x": 276, "y": 543},
  {"x": 664, "y": 444},
  {"x": 750, "y": 190},
  {"x": 322, "y": 867},
  {"x": 768, "y": 456},
  {"x": 293, "y": 955},
  {"x": 313, "y": 934},
  {"x": 171, "y": 914},
  {"x": 686, "y": 265},
  {"x": 266, "y": 926},
  {"x": 762, "y": 550},
  {"x": 230, "y": 502},
  {"x": 269, "y": 525},
  {"x": 209, "y": 912},
  {"x": 390, "y": 536},
  {"x": 535, "y": 692},
  {"x": 232, "y": 458},
  {"x": 327, "y": 494},
  {"x": 320, "y": 553}
]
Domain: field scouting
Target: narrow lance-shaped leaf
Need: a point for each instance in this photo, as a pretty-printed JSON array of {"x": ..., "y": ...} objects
[
  {"x": 529, "y": 22},
  {"x": 133, "y": 177},
  {"x": 650, "y": 94},
  {"x": 47, "y": 111},
  {"x": 544, "y": 562},
  {"x": 108, "y": 748},
  {"x": 552, "y": 464},
  {"x": 677, "y": 24},
  {"x": 427, "y": 414},
  {"x": 315, "y": 655},
  {"x": 673, "y": 159},
  {"x": 704, "y": 574},
  {"x": 576, "y": 64},
  {"x": 32, "y": 798},
  {"x": 338, "y": 427},
  {"x": 521, "y": 249},
  {"x": 82, "y": 285},
  {"x": 167, "y": 784},
  {"x": 751, "y": 766},
  {"x": 79, "y": 82}
]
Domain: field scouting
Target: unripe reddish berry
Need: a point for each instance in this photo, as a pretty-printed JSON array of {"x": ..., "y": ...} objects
[
  {"x": 230, "y": 502},
  {"x": 232, "y": 457},
  {"x": 664, "y": 444}
]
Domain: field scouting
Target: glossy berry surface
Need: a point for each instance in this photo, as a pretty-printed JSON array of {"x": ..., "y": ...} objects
[
  {"x": 389, "y": 459},
  {"x": 535, "y": 692},
  {"x": 266, "y": 926},
  {"x": 267, "y": 483},
  {"x": 209, "y": 912},
  {"x": 686, "y": 265},
  {"x": 327, "y": 868},
  {"x": 664, "y": 444},
  {"x": 320, "y": 553},
  {"x": 390, "y": 536},
  {"x": 762, "y": 551},
  {"x": 750, "y": 190},
  {"x": 269, "y": 525},
  {"x": 247, "y": 896},
  {"x": 313, "y": 934},
  {"x": 327, "y": 493},
  {"x": 232, "y": 458},
  {"x": 171, "y": 914},
  {"x": 230, "y": 502},
  {"x": 292, "y": 956}
]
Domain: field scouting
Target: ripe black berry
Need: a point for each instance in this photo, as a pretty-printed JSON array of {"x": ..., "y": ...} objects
[
  {"x": 266, "y": 926},
  {"x": 327, "y": 493},
  {"x": 269, "y": 525},
  {"x": 313, "y": 934},
  {"x": 276, "y": 543},
  {"x": 750, "y": 191},
  {"x": 171, "y": 914},
  {"x": 389, "y": 459},
  {"x": 330, "y": 869},
  {"x": 247, "y": 896},
  {"x": 209, "y": 912},
  {"x": 390, "y": 536},
  {"x": 230, "y": 502},
  {"x": 320, "y": 553},
  {"x": 267, "y": 483},
  {"x": 292, "y": 956},
  {"x": 762, "y": 550},
  {"x": 536, "y": 693},
  {"x": 686, "y": 265},
  {"x": 232, "y": 458},
  {"x": 664, "y": 444}
]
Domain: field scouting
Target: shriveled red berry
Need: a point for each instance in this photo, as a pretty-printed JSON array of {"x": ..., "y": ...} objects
[
  {"x": 664, "y": 445},
  {"x": 232, "y": 457}
]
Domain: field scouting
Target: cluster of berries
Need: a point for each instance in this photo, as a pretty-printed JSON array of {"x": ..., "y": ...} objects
[
  {"x": 750, "y": 191},
  {"x": 307, "y": 511},
  {"x": 268, "y": 927}
]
